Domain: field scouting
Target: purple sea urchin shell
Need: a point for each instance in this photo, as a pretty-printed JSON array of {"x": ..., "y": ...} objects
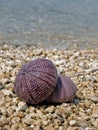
[
  {"x": 65, "y": 90},
  {"x": 36, "y": 81}
]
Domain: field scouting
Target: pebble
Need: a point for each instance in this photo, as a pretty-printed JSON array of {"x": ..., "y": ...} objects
[
  {"x": 91, "y": 70},
  {"x": 16, "y": 120},
  {"x": 72, "y": 122},
  {"x": 3, "y": 121},
  {"x": 28, "y": 120},
  {"x": 22, "y": 106},
  {"x": 6, "y": 92},
  {"x": 10, "y": 111},
  {"x": 49, "y": 127},
  {"x": 95, "y": 111},
  {"x": 4, "y": 81},
  {"x": 94, "y": 99},
  {"x": 21, "y": 114},
  {"x": 14, "y": 127},
  {"x": 61, "y": 128},
  {"x": 3, "y": 111},
  {"x": 81, "y": 64},
  {"x": 12, "y": 79},
  {"x": 59, "y": 62},
  {"x": 50, "y": 109}
]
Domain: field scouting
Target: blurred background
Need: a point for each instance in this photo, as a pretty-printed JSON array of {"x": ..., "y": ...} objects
[{"x": 49, "y": 23}]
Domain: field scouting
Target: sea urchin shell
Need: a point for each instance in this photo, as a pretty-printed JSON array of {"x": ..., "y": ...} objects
[
  {"x": 36, "y": 81},
  {"x": 65, "y": 90}
]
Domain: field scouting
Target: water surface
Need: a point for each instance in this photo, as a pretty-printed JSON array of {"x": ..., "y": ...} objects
[{"x": 51, "y": 23}]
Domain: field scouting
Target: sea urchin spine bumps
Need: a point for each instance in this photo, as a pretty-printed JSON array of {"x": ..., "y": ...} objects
[{"x": 36, "y": 81}]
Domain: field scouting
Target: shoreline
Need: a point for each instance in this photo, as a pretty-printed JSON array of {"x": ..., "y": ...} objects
[
  {"x": 68, "y": 46},
  {"x": 78, "y": 64},
  {"x": 60, "y": 42}
]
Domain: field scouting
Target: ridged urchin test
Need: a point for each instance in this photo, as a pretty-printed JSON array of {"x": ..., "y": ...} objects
[{"x": 36, "y": 81}]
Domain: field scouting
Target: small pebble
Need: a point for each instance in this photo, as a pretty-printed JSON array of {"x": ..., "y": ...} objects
[
  {"x": 3, "y": 121},
  {"x": 6, "y": 92},
  {"x": 72, "y": 122},
  {"x": 94, "y": 99},
  {"x": 28, "y": 120},
  {"x": 50, "y": 109}
]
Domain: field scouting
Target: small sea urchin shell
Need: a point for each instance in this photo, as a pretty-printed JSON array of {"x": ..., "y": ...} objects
[
  {"x": 36, "y": 81},
  {"x": 65, "y": 90}
]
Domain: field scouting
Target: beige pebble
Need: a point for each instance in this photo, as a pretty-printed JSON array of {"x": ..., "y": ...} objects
[
  {"x": 58, "y": 112},
  {"x": 21, "y": 104},
  {"x": 21, "y": 114},
  {"x": 6, "y": 92},
  {"x": 81, "y": 64},
  {"x": 49, "y": 127},
  {"x": 61, "y": 128},
  {"x": 45, "y": 122},
  {"x": 50, "y": 109},
  {"x": 10, "y": 62},
  {"x": 13, "y": 79},
  {"x": 14, "y": 127},
  {"x": 72, "y": 122},
  {"x": 28, "y": 120},
  {"x": 95, "y": 111},
  {"x": 8, "y": 99},
  {"x": 91, "y": 70},
  {"x": 3, "y": 121},
  {"x": 22, "y": 125},
  {"x": 8, "y": 104},
  {"x": 2, "y": 102},
  {"x": 4, "y": 81},
  {"x": 75, "y": 55},
  {"x": 32, "y": 109},
  {"x": 39, "y": 122},
  {"x": 83, "y": 123},
  {"x": 10, "y": 111},
  {"x": 14, "y": 72},
  {"x": 59, "y": 62},
  {"x": 8, "y": 69},
  {"x": 6, "y": 127},
  {"x": 94, "y": 99},
  {"x": 16, "y": 120},
  {"x": 15, "y": 100},
  {"x": 32, "y": 126},
  {"x": 3, "y": 111},
  {"x": 60, "y": 70}
]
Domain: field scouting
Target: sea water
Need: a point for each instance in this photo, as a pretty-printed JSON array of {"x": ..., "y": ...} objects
[{"x": 51, "y": 23}]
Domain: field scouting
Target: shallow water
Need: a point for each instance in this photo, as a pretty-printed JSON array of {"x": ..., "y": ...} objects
[{"x": 51, "y": 23}]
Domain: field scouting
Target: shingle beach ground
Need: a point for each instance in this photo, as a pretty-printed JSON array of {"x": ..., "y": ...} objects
[{"x": 80, "y": 114}]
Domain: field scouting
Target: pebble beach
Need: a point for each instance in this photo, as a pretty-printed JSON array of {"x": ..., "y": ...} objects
[{"x": 80, "y": 114}]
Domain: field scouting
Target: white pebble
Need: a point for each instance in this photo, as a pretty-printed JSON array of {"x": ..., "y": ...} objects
[
  {"x": 6, "y": 92},
  {"x": 72, "y": 122}
]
